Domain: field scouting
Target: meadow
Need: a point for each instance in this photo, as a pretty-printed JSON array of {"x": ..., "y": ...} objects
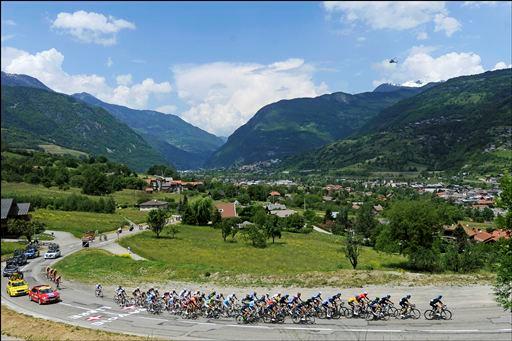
[{"x": 199, "y": 254}]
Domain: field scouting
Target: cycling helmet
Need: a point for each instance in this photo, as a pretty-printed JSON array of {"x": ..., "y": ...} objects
[
  {"x": 439, "y": 297},
  {"x": 298, "y": 294},
  {"x": 388, "y": 296},
  {"x": 408, "y": 295},
  {"x": 319, "y": 294},
  {"x": 365, "y": 293}
]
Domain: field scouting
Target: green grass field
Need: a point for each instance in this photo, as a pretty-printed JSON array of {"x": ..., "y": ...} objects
[
  {"x": 55, "y": 149},
  {"x": 133, "y": 214},
  {"x": 78, "y": 222},
  {"x": 9, "y": 247},
  {"x": 296, "y": 259},
  {"x": 128, "y": 197}
]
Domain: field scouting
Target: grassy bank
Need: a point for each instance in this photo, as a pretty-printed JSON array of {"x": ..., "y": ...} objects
[
  {"x": 31, "y": 328},
  {"x": 78, "y": 222},
  {"x": 200, "y": 254}
]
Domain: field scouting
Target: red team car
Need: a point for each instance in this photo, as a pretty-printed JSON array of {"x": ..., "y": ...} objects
[{"x": 43, "y": 294}]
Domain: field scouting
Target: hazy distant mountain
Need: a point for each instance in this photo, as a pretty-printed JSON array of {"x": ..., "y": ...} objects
[{"x": 181, "y": 143}]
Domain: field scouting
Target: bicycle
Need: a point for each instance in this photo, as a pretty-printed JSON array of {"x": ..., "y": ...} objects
[
  {"x": 444, "y": 314},
  {"x": 409, "y": 312}
]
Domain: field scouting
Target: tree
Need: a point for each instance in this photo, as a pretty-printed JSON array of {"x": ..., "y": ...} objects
[
  {"x": 188, "y": 217},
  {"x": 256, "y": 235},
  {"x": 272, "y": 227},
  {"x": 203, "y": 210},
  {"x": 156, "y": 221},
  {"x": 505, "y": 201},
  {"x": 503, "y": 286},
  {"x": 342, "y": 222},
  {"x": 95, "y": 182},
  {"x": 162, "y": 170},
  {"x": 225, "y": 229},
  {"x": 365, "y": 222},
  {"x": 328, "y": 215},
  {"x": 216, "y": 216},
  {"x": 172, "y": 230},
  {"x": 415, "y": 225},
  {"x": 352, "y": 249},
  {"x": 25, "y": 228}
]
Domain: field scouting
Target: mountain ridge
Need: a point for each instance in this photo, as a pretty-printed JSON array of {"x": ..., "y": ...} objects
[
  {"x": 183, "y": 144},
  {"x": 292, "y": 126}
]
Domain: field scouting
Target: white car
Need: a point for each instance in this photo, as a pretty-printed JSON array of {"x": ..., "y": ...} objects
[{"x": 50, "y": 254}]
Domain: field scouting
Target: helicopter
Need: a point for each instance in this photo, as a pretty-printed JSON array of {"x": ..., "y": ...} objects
[{"x": 393, "y": 61}]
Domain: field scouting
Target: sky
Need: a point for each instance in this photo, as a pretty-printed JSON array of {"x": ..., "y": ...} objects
[{"x": 215, "y": 64}]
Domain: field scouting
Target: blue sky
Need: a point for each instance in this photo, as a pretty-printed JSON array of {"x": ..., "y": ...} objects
[{"x": 216, "y": 63}]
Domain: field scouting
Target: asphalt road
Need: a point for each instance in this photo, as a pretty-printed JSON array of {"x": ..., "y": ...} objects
[{"x": 475, "y": 314}]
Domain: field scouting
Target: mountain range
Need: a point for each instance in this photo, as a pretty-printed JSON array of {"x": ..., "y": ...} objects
[
  {"x": 293, "y": 126},
  {"x": 465, "y": 122},
  {"x": 34, "y": 117},
  {"x": 181, "y": 144},
  {"x": 462, "y": 123}
]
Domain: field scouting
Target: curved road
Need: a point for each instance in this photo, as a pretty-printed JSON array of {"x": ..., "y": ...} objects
[{"x": 476, "y": 315}]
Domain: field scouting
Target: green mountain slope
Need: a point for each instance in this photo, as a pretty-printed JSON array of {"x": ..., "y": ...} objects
[
  {"x": 293, "y": 126},
  {"x": 184, "y": 145},
  {"x": 463, "y": 122},
  {"x": 32, "y": 116}
]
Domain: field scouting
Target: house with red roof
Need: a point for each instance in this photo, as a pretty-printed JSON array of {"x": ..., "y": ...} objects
[{"x": 226, "y": 209}]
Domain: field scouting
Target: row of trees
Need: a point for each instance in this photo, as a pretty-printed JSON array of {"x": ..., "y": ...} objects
[
  {"x": 94, "y": 175},
  {"x": 73, "y": 202}
]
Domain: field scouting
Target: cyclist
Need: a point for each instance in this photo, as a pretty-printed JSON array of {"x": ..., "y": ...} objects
[
  {"x": 436, "y": 304},
  {"x": 374, "y": 305},
  {"x": 136, "y": 292},
  {"x": 385, "y": 300},
  {"x": 119, "y": 291},
  {"x": 327, "y": 305},
  {"x": 405, "y": 304},
  {"x": 99, "y": 289}
]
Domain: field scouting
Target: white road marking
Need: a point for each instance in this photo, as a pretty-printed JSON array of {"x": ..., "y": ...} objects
[
  {"x": 74, "y": 306},
  {"x": 373, "y": 330},
  {"x": 241, "y": 326},
  {"x": 305, "y": 328},
  {"x": 204, "y": 323},
  {"x": 151, "y": 318},
  {"x": 451, "y": 330}
]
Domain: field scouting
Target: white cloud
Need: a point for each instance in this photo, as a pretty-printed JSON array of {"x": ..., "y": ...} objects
[
  {"x": 361, "y": 39},
  {"x": 420, "y": 65},
  {"x": 47, "y": 67},
  {"x": 223, "y": 96},
  {"x": 397, "y": 15},
  {"x": 501, "y": 65},
  {"x": 448, "y": 24},
  {"x": 167, "y": 109},
  {"x": 7, "y": 37},
  {"x": 124, "y": 79},
  {"x": 9, "y": 22},
  {"x": 394, "y": 15},
  {"x": 422, "y": 36},
  {"x": 477, "y": 4},
  {"x": 91, "y": 27},
  {"x": 109, "y": 62}
]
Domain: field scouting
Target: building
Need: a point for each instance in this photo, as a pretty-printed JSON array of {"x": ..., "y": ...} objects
[
  {"x": 153, "y": 205},
  {"x": 226, "y": 209},
  {"x": 283, "y": 213},
  {"x": 13, "y": 210}
]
